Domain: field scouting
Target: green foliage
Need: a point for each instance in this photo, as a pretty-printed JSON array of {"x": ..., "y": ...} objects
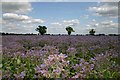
[
  {"x": 63, "y": 47},
  {"x": 27, "y": 44},
  {"x": 14, "y": 66},
  {"x": 104, "y": 60},
  {"x": 41, "y": 43},
  {"x": 92, "y": 32},
  {"x": 69, "y": 30},
  {"x": 117, "y": 60},
  {"x": 41, "y": 29}
]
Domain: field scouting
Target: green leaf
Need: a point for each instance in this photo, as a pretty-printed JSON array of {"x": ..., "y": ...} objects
[
  {"x": 0, "y": 65},
  {"x": 18, "y": 61}
]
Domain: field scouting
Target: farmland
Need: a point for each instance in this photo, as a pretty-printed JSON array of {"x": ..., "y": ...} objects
[{"x": 49, "y": 56}]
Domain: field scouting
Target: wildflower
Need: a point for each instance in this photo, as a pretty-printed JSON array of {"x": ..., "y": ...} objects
[
  {"x": 22, "y": 75},
  {"x": 38, "y": 68},
  {"x": 50, "y": 57},
  {"x": 42, "y": 65},
  {"x": 86, "y": 63},
  {"x": 76, "y": 76},
  {"x": 101, "y": 55},
  {"x": 71, "y": 49},
  {"x": 92, "y": 66},
  {"x": 57, "y": 71},
  {"x": 83, "y": 69},
  {"x": 42, "y": 71},
  {"x": 92, "y": 59},
  {"x": 80, "y": 64},
  {"x": 68, "y": 62},
  {"x": 23, "y": 54},
  {"x": 82, "y": 60},
  {"x": 56, "y": 63},
  {"x": 62, "y": 56},
  {"x": 35, "y": 76},
  {"x": 45, "y": 73}
]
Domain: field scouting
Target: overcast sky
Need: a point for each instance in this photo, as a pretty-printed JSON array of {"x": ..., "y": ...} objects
[{"x": 24, "y": 17}]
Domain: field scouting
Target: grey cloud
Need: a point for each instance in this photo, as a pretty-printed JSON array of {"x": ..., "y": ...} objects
[
  {"x": 106, "y": 9},
  {"x": 16, "y": 7}
]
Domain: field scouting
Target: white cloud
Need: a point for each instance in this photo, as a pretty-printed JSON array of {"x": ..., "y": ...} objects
[
  {"x": 61, "y": 0},
  {"x": 15, "y": 0},
  {"x": 1, "y": 24},
  {"x": 109, "y": 24},
  {"x": 97, "y": 24},
  {"x": 33, "y": 21},
  {"x": 106, "y": 26},
  {"x": 94, "y": 20},
  {"x": 86, "y": 16},
  {"x": 106, "y": 9},
  {"x": 73, "y": 22},
  {"x": 16, "y": 7},
  {"x": 0, "y": 20},
  {"x": 19, "y": 23},
  {"x": 105, "y": 23},
  {"x": 88, "y": 27},
  {"x": 110, "y": 0},
  {"x": 20, "y": 18},
  {"x": 59, "y": 27},
  {"x": 18, "y": 27},
  {"x": 15, "y": 17},
  {"x": 48, "y": 0},
  {"x": 56, "y": 24},
  {"x": 9, "y": 16}
]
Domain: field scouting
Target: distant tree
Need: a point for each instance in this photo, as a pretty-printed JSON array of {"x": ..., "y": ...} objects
[
  {"x": 69, "y": 30},
  {"x": 41, "y": 29},
  {"x": 92, "y": 32}
]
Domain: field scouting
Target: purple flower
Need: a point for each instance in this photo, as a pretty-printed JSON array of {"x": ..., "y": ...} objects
[
  {"x": 42, "y": 65},
  {"x": 38, "y": 67},
  {"x": 68, "y": 62},
  {"x": 80, "y": 64},
  {"x": 63, "y": 55},
  {"x": 86, "y": 63},
  {"x": 57, "y": 70},
  {"x": 83, "y": 69},
  {"x": 92, "y": 59},
  {"x": 41, "y": 51},
  {"x": 92, "y": 66},
  {"x": 35, "y": 76},
  {"x": 22, "y": 75},
  {"x": 81, "y": 60}
]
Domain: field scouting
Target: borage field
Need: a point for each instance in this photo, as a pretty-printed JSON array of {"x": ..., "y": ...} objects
[{"x": 49, "y": 56}]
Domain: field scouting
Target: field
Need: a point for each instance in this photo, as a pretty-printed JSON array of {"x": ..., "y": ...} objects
[{"x": 49, "y": 56}]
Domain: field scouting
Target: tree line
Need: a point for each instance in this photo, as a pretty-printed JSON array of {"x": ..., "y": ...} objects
[{"x": 43, "y": 29}]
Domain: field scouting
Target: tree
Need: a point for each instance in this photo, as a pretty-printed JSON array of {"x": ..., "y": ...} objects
[
  {"x": 92, "y": 32},
  {"x": 69, "y": 30},
  {"x": 41, "y": 29}
]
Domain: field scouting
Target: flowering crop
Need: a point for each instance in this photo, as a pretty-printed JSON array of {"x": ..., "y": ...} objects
[
  {"x": 60, "y": 57},
  {"x": 54, "y": 66}
]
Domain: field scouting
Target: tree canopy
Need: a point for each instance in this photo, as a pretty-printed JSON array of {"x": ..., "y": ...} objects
[
  {"x": 41, "y": 29},
  {"x": 69, "y": 30},
  {"x": 92, "y": 32}
]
